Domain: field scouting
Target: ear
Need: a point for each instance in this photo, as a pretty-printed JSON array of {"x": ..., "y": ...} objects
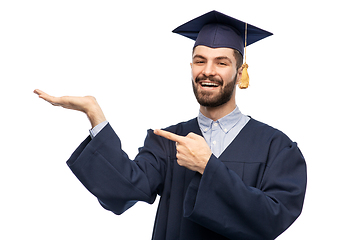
[
  {"x": 239, "y": 74},
  {"x": 191, "y": 65}
]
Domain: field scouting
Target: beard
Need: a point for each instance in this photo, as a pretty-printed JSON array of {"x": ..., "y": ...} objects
[{"x": 208, "y": 99}]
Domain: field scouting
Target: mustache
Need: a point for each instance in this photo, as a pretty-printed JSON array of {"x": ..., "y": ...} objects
[{"x": 210, "y": 78}]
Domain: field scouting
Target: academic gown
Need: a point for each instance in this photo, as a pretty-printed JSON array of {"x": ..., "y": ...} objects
[{"x": 254, "y": 190}]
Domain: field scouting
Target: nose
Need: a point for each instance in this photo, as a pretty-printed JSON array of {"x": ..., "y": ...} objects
[{"x": 208, "y": 69}]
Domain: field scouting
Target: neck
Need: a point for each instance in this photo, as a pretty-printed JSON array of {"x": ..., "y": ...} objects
[{"x": 215, "y": 113}]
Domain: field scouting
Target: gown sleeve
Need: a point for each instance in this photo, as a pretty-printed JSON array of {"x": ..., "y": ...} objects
[
  {"x": 108, "y": 173},
  {"x": 220, "y": 200}
]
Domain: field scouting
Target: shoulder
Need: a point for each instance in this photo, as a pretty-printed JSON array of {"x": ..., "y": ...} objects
[
  {"x": 266, "y": 142},
  {"x": 264, "y": 128},
  {"x": 262, "y": 132}
]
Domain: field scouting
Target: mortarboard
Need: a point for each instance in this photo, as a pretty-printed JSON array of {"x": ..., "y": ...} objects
[{"x": 216, "y": 30}]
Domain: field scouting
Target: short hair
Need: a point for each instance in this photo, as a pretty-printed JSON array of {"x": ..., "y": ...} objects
[{"x": 238, "y": 58}]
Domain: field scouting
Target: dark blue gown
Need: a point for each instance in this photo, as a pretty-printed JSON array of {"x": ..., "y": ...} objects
[{"x": 254, "y": 190}]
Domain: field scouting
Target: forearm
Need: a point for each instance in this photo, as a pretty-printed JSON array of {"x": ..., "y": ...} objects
[{"x": 108, "y": 173}]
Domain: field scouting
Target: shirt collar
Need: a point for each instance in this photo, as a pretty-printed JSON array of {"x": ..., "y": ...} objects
[{"x": 226, "y": 123}]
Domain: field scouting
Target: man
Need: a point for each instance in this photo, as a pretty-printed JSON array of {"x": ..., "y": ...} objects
[{"x": 221, "y": 175}]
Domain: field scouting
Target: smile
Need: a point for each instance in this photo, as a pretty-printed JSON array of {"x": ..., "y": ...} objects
[{"x": 209, "y": 84}]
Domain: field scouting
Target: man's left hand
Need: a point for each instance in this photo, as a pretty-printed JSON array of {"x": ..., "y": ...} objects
[{"x": 192, "y": 151}]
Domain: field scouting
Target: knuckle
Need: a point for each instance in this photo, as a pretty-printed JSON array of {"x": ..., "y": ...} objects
[
  {"x": 190, "y": 134},
  {"x": 179, "y": 162}
]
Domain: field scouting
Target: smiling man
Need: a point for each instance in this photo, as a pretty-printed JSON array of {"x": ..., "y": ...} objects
[
  {"x": 221, "y": 175},
  {"x": 216, "y": 75}
]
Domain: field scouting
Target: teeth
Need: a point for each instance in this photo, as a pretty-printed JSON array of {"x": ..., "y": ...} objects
[{"x": 209, "y": 84}]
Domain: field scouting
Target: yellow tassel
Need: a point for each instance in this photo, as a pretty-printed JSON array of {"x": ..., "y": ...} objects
[{"x": 244, "y": 81}]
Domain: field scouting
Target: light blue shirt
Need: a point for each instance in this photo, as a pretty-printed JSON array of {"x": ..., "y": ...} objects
[
  {"x": 97, "y": 129},
  {"x": 218, "y": 134}
]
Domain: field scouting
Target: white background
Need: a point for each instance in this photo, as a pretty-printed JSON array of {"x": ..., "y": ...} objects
[{"x": 304, "y": 81}]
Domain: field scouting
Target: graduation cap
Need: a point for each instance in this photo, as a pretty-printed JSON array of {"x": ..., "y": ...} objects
[{"x": 215, "y": 30}]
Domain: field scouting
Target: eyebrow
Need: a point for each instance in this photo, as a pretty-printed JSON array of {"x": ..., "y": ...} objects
[
  {"x": 199, "y": 56},
  {"x": 217, "y": 58},
  {"x": 223, "y": 58}
]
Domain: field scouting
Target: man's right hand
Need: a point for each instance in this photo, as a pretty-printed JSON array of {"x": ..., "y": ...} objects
[{"x": 87, "y": 105}]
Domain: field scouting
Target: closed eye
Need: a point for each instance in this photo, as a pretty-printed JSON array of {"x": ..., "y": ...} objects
[
  {"x": 198, "y": 59},
  {"x": 223, "y": 61}
]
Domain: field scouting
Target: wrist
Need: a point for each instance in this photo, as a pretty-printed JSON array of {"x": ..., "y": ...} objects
[
  {"x": 94, "y": 113},
  {"x": 95, "y": 117},
  {"x": 203, "y": 164}
]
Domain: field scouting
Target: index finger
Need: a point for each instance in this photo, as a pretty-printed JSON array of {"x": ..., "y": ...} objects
[{"x": 168, "y": 135}]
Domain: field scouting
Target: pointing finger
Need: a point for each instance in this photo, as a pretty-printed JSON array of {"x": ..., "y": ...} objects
[{"x": 169, "y": 135}]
